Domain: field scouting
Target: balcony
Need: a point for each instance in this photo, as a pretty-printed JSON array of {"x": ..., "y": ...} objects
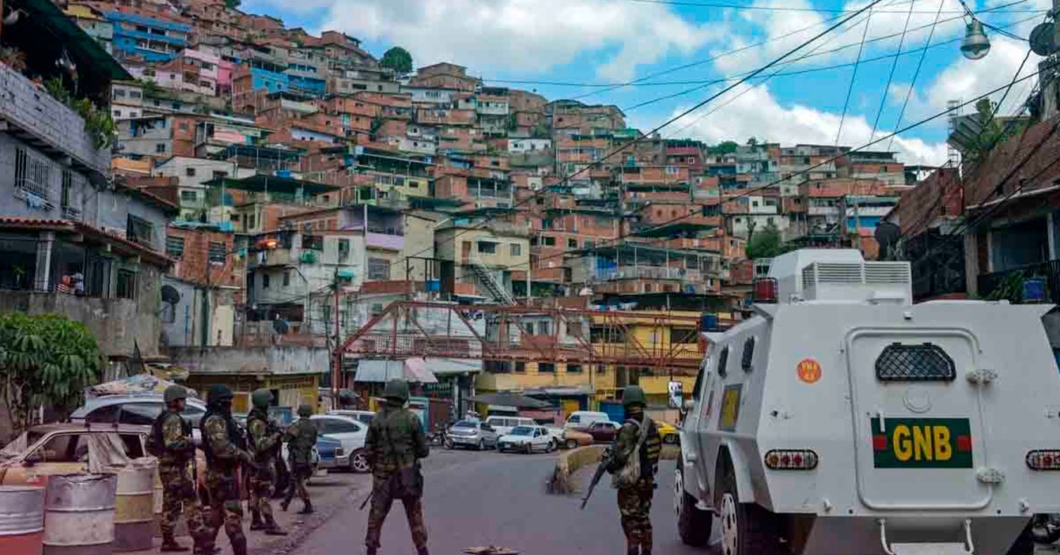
[
  {"x": 647, "y": 272},
  {"x": 1009, "y": 284},
  {"x": 48, "y": 124}
]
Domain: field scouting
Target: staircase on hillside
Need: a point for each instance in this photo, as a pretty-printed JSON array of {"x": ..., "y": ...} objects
[{"x": 489, "y": 281}]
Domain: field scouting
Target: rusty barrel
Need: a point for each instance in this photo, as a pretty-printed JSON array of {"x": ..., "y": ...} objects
[
  {"x": 79, "y": 514},
  {"x": 134, "y": 511},
  {"x": 21, "y": 520}
]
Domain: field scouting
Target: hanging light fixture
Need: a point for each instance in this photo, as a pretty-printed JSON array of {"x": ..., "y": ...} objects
[{"x": 976, "y": 45}]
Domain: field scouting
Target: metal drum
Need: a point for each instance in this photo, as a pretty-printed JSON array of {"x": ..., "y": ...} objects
[
  {"x": 79, "y": 514},
  {"x": 21, "y": 520},
  {"x": 134, "y": 513}
]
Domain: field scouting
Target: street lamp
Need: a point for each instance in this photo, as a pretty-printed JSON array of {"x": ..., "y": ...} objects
[{"x": 976, "y": 45}]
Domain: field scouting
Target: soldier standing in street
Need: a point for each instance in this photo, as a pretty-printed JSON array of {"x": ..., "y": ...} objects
[
  {"x": 172, "y": 442},
  {"x": 395, "y": 444},
  {"x": 300, "y": 436},
  {"x": 639, "y": 437},
  {"x": 225, "y": 451},
  {"x": 264, "y": 440}
]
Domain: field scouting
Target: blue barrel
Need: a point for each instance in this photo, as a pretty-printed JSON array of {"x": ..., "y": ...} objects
[{"x": 708, "y": 322}]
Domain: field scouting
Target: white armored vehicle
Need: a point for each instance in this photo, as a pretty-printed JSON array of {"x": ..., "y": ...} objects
[{"x": 843, "y": 419}]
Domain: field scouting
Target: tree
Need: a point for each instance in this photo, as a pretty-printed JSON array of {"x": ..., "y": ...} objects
[
  {"x": 47, "y": 359},
  {"x": 991, "y": 133},
  {"x": 233, "y": 4},
  {"x": 724, "y": 147},
  {"x": 766, "y": 244},
  {"x": 397, "y": 59},
  {"x": 752, "y": 142}
]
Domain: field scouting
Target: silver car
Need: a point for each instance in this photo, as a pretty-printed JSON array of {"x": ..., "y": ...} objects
[{"x": 471, "y": 433}]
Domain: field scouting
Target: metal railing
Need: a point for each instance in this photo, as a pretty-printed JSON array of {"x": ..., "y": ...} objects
[{"x": 1001, "y": 285}]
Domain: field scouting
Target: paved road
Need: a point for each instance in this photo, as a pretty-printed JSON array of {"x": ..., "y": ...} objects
[{"x": 476, "y": 499}]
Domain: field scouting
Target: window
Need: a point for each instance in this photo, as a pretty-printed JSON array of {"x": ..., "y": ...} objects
[
  {"x": 160, "y": 148},
  {"x": 135, "y": 94},
  {"x": 286, "y": 278},
  {"x": 574, "y": 368},
  {"x": 378, "y": 269},
  {"x": 190, "y": 172},
  {"x": 487, "y": 247},
  {"x": 915, "y": 363},
  {"x": 548, "y": 241},
  {"x": 516, "y": 250},
  {"x": 572, "y": 243},
  {"x": 313, "y": 242},
  {"x": 747, "y": 359},
  {"x": 189, "y": 196},
  {"x": 217, "y": 253},
  {"x": 684, "y": 336},
  {"x": 344, "y": 250},
  {"x": 520, "y": 367},
  {"x": 126, "y": 284},
  {"x": 546, "y": 367},
  {"x": 68, "y": 179},
  {"x": 175, "y": 247},
  {"x": 119, "y": 93},
  {"x": 252, "y": 221},
  {"x": 217, "y": 174},
  {"x": 264, "y": 281},
  {"x": 723, "y": 362},
  {"x": 139, "y": 230}
]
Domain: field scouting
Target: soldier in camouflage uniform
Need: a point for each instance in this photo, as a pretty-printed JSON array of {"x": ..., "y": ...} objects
[
  {"x": 634, "y": 501},
  {"x": 264, "y": 440},
  {"x": 300, "y": 436},
  {"x": 394, "y": 446},
  {"x": 225, "y": 451},
  {"x": 171, "y": 441}
]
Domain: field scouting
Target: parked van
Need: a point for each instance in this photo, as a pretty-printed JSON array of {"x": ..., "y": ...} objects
[{"x": 584, "y": 419}]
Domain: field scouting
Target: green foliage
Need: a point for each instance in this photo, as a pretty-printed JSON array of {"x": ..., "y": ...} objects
[
  {"x": 991, "y": 134},
  {"x": 1011, "y": 288},
  {"x": 541, "y": 130},
  {"x": 47, "y": 359},
  {"x": 397, "y": 59},
  {"x": 752, "y": 142},
  {"x": 724, "y": 147},
  {"x": 150, "y": 88},
  {"x": 766, "y": 244},
  {"x": 233, "y": 4},
  {"x": 98, "y": 123}
]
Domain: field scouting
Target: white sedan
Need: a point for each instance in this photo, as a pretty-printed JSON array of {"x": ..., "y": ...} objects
[
  {"x": 351, "y": 433},
  {"x": 526, "y": 439}
]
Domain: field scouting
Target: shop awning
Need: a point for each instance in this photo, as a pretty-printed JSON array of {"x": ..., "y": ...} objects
[
  {"x": 381, "y": 371},
  {"x": 449, "y": 366}
]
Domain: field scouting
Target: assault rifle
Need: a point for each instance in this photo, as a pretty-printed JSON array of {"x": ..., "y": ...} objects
[{"x": 605, "y": 460}]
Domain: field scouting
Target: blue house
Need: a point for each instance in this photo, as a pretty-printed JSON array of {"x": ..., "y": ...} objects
[{"x": 157, "y": 40}]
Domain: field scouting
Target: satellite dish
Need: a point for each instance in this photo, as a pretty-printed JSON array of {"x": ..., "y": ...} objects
[
  {"x": 1043, "y": 39},
  {"x": 887, "y": 235},
  {"x": 170, "y": 295}
]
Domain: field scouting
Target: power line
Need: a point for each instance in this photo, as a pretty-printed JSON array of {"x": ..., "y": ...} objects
[
  {"x": 671, "y": 120},
  {"x": 916, "y": 74},
  {"x": 853, "y": 77},
  {"x": 747, "y": 7},
  {"x": 894, "y": 66}
]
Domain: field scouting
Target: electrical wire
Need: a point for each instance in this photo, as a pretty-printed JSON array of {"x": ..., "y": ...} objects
[
  {"x": 746, "y": 7},
  {"x": 890, "y": 77},
  {"x": 853, "y": 77},
  {"x": 916, "y": 74}
]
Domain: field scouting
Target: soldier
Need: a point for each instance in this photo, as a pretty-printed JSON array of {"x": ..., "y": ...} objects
[
  {"x": 300, "y": 436},
  {"x": 171, "y": 441},
  {"x": 634, "y": 498},
  {"x": 225, "y": 451},
  {"x": 394, "y": 446},
  {"x": 264, "y": 440}
]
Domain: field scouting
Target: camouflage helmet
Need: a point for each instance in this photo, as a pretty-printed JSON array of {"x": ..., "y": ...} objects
[
  {"x": 219, "y": 393},
  {"x": 305, "y": 411},
  {"x": 634, "y": 395},
  {"x": 261, "y": 398},
  {"x": 173, "y": 393},
  {"x": 397, "y": 390}
]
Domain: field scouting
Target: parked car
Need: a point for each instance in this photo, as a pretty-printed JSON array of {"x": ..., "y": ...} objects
[
  {"x": 364, "y": 416},
  {"x": 471, "y": 433},
  {"x": 603, "y": 432},
  {"x": 351, "y": 433},
  {"x": 53, "y": 449},
  {"x": 575, "y": 439},
  {"x": 557, "y": 435},
  {"x": 526, "y": 439},
  {"x": 329, "y": 453},
  {"x": 668, "y": 433},
  {"x": 583, "y": 419},
  {"x": 504, "y": 425},
  {"x": 139, "y": 410}
]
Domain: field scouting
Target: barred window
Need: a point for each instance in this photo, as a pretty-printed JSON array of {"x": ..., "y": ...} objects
[
  {"x": 217, "y": 253},
  {"x": 915, "y": 363},
  {"x": 175, "y": 247}
]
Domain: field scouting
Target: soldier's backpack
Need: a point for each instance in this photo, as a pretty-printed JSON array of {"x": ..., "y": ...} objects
[{"x": 630, "y": 473}]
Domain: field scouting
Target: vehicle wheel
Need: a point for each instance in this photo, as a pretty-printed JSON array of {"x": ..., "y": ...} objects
[
  {"x": 572, "y": 444},
  {"x": 693, "y": 525},
  {"x": 746, "y": 528},
  {"x": 671, "y": 439},
  {"x": 481, "y": 445},
  {"x": 1044, "y": 531},
  {"x": 359, "y": 462},
  {"x": 551, "y": 446},
  {"x": 448, "y": 443},
  {"x": 529, "y": 448}
]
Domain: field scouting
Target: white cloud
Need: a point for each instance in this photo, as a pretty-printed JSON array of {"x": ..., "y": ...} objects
[
  {"x": 526, "y": 35},
  {"x": 758, "y": 113}
]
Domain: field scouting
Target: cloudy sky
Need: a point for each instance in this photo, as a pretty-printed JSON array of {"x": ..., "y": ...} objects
[{"x": 679, "y": 53}]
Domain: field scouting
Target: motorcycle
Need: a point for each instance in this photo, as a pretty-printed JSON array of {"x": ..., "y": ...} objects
[{"x": 440, "y": 437}]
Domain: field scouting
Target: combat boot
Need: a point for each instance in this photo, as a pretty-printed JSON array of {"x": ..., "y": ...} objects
[
  {"x": 255, "y": 521},
  {"x": 422, "y": 551},
  {"x": 239, "y": 545},
  {"x": 284, "y": 504},
  {"x": 273, "y": 529},
  {"x": 307, "y": 509},
  {"x": 170, "y": 545}
]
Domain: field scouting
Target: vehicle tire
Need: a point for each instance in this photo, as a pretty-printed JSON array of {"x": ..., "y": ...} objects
[
  {"x": 481, "y": 445},
  {"x": 746, "y": 528},
  {"x": 448, "y": 443},
  {"x": 359, "y": 462},
  {"x": 551, "y": 446},
  {"x": 1043, "y": 531},
  {"x": 529, "y": 448},
  {"x": 572, "y": 444},
  {"x": 693, "y": 525}
]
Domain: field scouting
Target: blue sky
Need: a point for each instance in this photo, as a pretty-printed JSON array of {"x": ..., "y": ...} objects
[{"x": 616, "y": 41}]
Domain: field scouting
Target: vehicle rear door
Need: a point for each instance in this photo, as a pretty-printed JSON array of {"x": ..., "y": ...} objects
[{"x": 918, "y": 422}]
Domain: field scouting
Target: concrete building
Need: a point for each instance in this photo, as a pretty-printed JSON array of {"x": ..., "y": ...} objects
[{"x": 152, "y": 38}]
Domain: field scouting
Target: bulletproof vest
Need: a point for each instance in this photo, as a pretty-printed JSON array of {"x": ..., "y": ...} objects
[
  {"x": 305, "y": 437},
  {"x": 158, "y": 443},
  {"x": 396, "y": 428},
  {"x": 235, "y": 435},
  {"x": 258, "y": 414}
]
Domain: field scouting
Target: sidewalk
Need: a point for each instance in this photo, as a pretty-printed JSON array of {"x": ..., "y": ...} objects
[{"x": 329, "y": 493}]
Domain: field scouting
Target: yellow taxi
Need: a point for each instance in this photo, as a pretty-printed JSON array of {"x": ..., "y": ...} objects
[{"x": 668, "y": 433}]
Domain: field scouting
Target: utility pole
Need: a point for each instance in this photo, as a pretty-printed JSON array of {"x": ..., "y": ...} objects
[{"x": 336, "y": 374}]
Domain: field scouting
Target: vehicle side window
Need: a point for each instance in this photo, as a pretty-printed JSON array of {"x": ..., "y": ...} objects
[
  {"x": 133, "y": 446},
  {"x": 348, "y": 427},
  {"x": 575, "y": 419},
  {"x": 107, "y": 414},
  {"x": 723, "y": 362},
  {"x": 142, "y": 414},
  {"x": 61, "y": 448},
  {"x": 747, "y": 359},
  {"x": 700, "y": 378},
  {"x": 487, "y": 427},
  {"x": 324, "y": 425}
]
